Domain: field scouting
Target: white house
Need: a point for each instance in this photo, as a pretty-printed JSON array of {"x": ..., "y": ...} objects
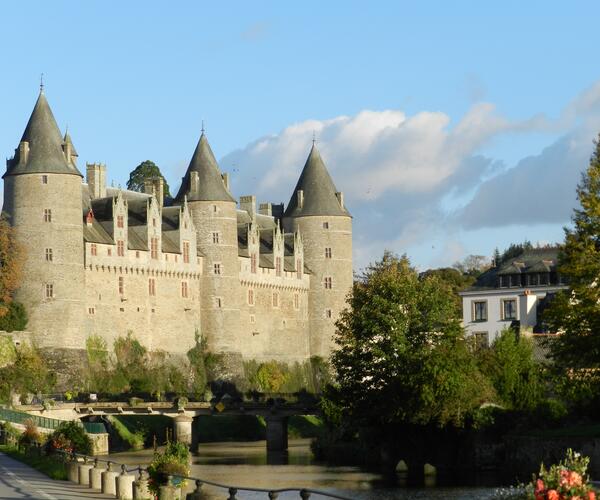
[{"x": 513, "y": 293}]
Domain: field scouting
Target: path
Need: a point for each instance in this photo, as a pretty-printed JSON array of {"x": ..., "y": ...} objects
[{"x": 18, "y": 480}]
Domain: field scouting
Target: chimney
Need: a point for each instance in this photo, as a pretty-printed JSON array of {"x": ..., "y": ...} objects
[
  {"x": 265, "y": 209},
  {"x": 193, "y": 182},
  {"x": 226, "y": 180},
  {"x": 340, "y": 197},
  {"x": 300, "y": 198},
  {"x": 96, "y": 179},
  {"x": 155, "y": 186},
  {"x": 248, "y": 203}
]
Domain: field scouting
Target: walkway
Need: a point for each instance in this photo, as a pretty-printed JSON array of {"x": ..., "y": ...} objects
[{"x": 18, "y": 480}]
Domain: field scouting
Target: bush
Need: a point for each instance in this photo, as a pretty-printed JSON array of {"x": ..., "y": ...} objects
[
  {"x": 175, "y": 460},
  {"x": 15, "y": 319},
  {"x": 30, "y": 436},
  {"x": 70, "y": 437}
]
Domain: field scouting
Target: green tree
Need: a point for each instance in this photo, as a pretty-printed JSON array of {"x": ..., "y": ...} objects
[
  {"x": 15, "y": 318},
  {"x": 143, "y": 171},
  {"x": 402, "y": 356},
  {"x": 575, "y": 313},
  {"x": 11, "y": 264},
  {"x": 456, "y": 280},
  {"x": 514, "y": 373}
]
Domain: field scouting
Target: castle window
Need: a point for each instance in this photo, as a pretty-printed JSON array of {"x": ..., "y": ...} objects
[
  {"x": 154, "y": 248},
  {"x": 121, "y": 285},
  {"x": 278, "y": 266},
  {"x": 49, "y": 291},
  {"x": 120, "y": 248},
  {"x": 328, "y": 313},
  {"x": 151, "y": 287},
  {"x": 216, "y": 238},
  {"x": 109, "y": 251},
  {"x": 185, "y": 224},
  {"x": 252, "y": 319},
  {"x": 253, "y": 263},
  {"x": 296, "y": 301},
  {"x": 328, "y": 282},
  {"x": 49, "y": 254},
  {"x": 153, "y": 222},
  {"x": 44, "y": 179},
  {"x": 186, "y": 252},
  {"x": 120, "y": 221},
  {"x": 214, "y": 208},
  {"x": 94, "y": 249},
  {"x": 47, "y": 215},
  {"x": 184, "y": 289},
  {"x": 91, "y": 310},
  {"x": 251, "y": 297},
  {"x": 217, "y": 268},
  {"x": 137, "y": 254},
  {"x": 328, "y": 252},
  {"x": 275, "y": 299},
  {"x": 299, "y": 269},
  {"x": 218, "y": 302},
  {"x": 325, "y": 225}
]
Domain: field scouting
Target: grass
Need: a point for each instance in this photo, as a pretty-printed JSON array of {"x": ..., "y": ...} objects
[
  {"x": 139, "y": 430},
  {"x": 53, "y": 467}
]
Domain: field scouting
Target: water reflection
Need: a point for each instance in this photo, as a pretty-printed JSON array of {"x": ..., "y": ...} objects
[{"x": 249, "y": 464}]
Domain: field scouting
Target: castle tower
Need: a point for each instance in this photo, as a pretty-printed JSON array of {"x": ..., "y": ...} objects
[
  {"x": 214, "y": 214},
  {"x": 42, "y": 197},
  {"x": 316, "y": 209}
]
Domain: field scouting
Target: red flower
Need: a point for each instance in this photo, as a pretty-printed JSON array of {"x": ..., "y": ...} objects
[
  {"x": 553, "y": 495},
  {"x": 539, "y": 486},
  {"x": 591, "y": 495}
]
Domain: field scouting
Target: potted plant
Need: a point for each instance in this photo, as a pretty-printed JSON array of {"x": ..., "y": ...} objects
[{"x": 173, "y": 461}]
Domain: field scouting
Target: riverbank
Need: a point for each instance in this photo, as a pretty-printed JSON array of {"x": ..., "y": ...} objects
[{"x": 51, "y": 466}]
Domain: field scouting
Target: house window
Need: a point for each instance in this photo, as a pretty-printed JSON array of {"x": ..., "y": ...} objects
[
  {"x": 296, "y": 301},
  {"x": 503, "y": 281},
  {"x": 328, "y": 313},
  {"x": 44, "y": 179},
  {"x": 151, "y": 287},
  {"x": 509, "y": 309},
  {"x": 325, "y": 225},
  {"x": 154, "y": 248},
  {"x": 533, "y": 279},
  {"x": 481, "y": 340},
  {"x": 479, "y": 310},
  {"x": 275, "y": 299},
  {"x": 120, "y": 221},
  {"x": 251, "y": 297},
  {"x": 217, "y": 268},
  {"x": 253, "y": 263},
  {"x": 328, "y": 253},
  {"x": 543, "y": 278},
  {"x": 120, "y": 248},
  {"x": 49, "y": 291},
  {"x": 49, "y": 254},
  {"x": 328, "y": 282},
  {"x": 278, "y": 266},
  {"x": 184, "y": 289},
  {"x": 47, "y": 215},
  {"x": 216, "y": 238},
  {"x": 94, "y": 249},
  {"x": 186, "y": 252},
  {"x": 109, "y": 251},
  {"x": 299, "y": 269}
]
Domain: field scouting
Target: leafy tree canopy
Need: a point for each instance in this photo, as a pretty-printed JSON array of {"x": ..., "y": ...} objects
[
  {"x": 402, "y": 357},
  {"x": 11, "y": 264},
  {"x": 143, "y": 171}
]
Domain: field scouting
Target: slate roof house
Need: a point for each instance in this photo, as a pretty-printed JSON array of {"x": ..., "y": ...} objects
[
  {"x": 514, "y": 293},
  {"x": 258, "y": 281}
]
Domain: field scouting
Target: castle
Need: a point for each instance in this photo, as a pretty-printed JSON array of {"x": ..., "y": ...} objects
[{"x": 258, "y": 282}]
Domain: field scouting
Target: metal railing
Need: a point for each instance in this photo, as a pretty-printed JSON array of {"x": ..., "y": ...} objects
[
  {"x": 20, "y": 417},
  {"x": 232, "y": 490}
]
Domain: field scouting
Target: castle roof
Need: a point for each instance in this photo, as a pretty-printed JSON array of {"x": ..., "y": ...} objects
[
  {"x": 45, "y": 145},
  {"x": 319, "y": 192},
  {"x": 210, "y": 185}
]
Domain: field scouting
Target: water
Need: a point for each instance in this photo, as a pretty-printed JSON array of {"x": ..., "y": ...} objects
[{"x": 248, "y": 464}]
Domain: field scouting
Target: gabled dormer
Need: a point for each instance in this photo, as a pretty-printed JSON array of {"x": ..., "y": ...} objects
[
  {"x": 278, "y": 251},
  {"x": 120, "y": 227},
  {"x": 254, "y": 246},
  {"x": 298, "y": 255}
]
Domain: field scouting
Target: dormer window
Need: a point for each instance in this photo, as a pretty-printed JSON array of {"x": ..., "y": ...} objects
[
  {"x": 253, "y": 263},
  {"x": 278, "y": 266},
  {"x": 120, "y": 223},
  {"x": 299, "y": 269}
]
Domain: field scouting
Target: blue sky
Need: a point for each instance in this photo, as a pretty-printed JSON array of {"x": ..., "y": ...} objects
[{"x": 452, "y": 127}]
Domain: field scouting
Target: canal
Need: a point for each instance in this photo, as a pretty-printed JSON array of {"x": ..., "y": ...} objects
[{"x": 248, "y": 464}]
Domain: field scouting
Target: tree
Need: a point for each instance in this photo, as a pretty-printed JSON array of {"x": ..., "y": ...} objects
[
  {"x": 456, "y": 280},
  {"x": 11, "y": 264},
  {"x": 402, "y": 357},
  {"x": 143, "y": 171},
  {"x": 576, "y": 313},
  {"x": 472, "y": 264}
]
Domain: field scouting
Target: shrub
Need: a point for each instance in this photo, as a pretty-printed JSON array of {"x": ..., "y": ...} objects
[
  {"x": 175, "y": 460},
  {"x": 15, "y": 319},
  {"x": 70, "y": 437},
  {"x": 31, "y": 435},
  {"x": 270, "y": 377}
]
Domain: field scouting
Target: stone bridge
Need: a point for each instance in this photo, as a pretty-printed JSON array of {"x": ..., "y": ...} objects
[{"x": 275, "y": 414}]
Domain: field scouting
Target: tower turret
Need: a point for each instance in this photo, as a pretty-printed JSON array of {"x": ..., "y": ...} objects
[
  {"x": 43, "y": 199},
  {"x": 214, "y": 214},
  {"x": 316, "y": 209}
]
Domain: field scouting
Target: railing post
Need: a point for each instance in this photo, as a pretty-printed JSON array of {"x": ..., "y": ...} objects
[
  {"x": 84, "y": 472},
  {"x": 305, "y": 495},
  {"x": 125, "y": 484},
  {"x": 197, "y": 493},
  {"x": 109, "y": 481},
  {"x": 273, "y": 495},
  {"x": 140, "y": 487},
  {"x": 232, "y": 493}
]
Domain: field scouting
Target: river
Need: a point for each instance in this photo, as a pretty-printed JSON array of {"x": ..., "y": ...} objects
[{"x": 247, "y": 464}]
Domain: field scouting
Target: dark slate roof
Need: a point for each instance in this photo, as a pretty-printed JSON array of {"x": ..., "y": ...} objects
[
  {"x": 319, "y": 190},
  {"x": 137, "y": 238},
  {"x": 170, "y": 242},
  {"x": 210, "y": 183},
  {"x": 95, "y": 233},
  {"x": 67, "y": 140},
  {"x": 170, "y": 218},
  {"x": 45, "y": 145}
]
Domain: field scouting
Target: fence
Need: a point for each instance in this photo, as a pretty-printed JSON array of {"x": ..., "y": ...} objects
[{"x": 20, "y": 417}]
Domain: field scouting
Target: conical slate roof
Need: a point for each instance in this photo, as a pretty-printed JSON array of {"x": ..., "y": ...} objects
[
  {"x": 45, "y": 145},
  {"x": 210, "y": 183},
  {"x": 318, "y": 190}
]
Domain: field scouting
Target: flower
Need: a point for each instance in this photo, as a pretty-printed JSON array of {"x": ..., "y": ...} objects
[
  {"x": 553, "y": 495},
  {"x": 591, "y": 495},
  {"x": 539, "y": 486}
]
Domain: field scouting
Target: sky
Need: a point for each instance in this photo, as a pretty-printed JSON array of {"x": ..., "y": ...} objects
[{"x": 452, "y": 128}]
